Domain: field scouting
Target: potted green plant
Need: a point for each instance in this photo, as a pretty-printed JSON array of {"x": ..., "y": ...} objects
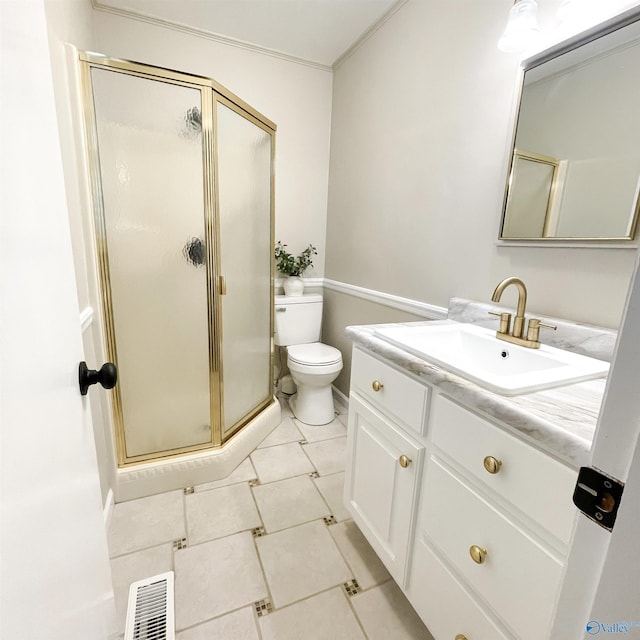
[{"x": 293, "y": 267}]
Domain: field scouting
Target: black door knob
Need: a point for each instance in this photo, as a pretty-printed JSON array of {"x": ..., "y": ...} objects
[{"x": 107, "y": 376}]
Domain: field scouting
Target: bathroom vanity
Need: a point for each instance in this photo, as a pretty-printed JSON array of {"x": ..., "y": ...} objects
[{"x": 465, "y": 495}]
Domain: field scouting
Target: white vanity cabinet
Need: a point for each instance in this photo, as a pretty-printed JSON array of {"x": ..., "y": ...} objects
[
  {"x": 382, "y": 483},
  {"x": 476, "y": 527},
  {"x": 384, "y": 458}
]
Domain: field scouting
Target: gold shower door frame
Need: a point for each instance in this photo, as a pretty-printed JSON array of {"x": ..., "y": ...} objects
[{"x": 211, "y": 94}]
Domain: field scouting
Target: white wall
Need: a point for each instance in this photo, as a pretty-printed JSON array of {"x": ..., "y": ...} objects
[
  {"x": 421, "y": 128},
  {"x": 295, "y": 96},
  {"x": 341, "y": 310}
]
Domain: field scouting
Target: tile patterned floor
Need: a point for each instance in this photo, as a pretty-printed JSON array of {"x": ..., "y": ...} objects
[{"x": 284, "y": 545}]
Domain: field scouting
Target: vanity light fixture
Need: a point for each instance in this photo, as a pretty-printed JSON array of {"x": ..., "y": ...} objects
[
  {"x": 522, "y": 27},
  {"x": 565, "y": 10}
]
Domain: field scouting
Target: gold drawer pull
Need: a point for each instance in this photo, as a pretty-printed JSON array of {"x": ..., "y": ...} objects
[
  {"x": 376, "y": 386},
  {"x": 478, "y": 554},
  {"x": 461, "y": 636},
  {"x": 492, "y": 465},
  {"x": 404, "y": 461}
]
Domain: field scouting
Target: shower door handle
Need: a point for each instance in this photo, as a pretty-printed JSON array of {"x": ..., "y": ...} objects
[{"x": 107, "y": 376}]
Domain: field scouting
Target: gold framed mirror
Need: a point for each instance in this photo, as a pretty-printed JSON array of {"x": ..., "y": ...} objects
[{"x": 574, "y": 174}]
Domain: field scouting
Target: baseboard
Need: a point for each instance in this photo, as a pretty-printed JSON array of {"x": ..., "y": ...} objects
[
  {"x": 340, "y": 399},
  {"x": 107, "y": 510}
]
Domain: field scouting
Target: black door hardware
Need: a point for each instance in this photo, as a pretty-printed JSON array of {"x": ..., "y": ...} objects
[
  {"x": 107, "y": 376},
  {"x": 598, "y": 496}
]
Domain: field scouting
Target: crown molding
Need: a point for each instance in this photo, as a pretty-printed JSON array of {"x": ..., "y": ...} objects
[
  {"x": 209, "y": 35},
  {"x": 368, "y": 33}
]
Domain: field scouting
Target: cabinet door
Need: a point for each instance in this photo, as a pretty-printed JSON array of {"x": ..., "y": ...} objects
[{"x": 380, "y": 492}]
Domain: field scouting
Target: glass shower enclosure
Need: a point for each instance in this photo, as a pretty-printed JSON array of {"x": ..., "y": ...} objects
[{"x": 182, "y": 182}]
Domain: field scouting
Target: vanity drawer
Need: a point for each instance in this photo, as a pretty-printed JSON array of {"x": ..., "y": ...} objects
[
  {"x": 398, "y": 395},
  {"x": 518, "y": 577},
  {"x": 538, "y": 485},
  {"x": 442, "y": 602}
]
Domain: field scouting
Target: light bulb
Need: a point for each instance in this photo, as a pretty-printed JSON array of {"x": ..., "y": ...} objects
[
  {"x": 522, "y": 27},
  {"x": 565, "y": 10}
]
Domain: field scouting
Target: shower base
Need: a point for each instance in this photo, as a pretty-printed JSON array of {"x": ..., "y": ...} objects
[{"x": 148, "y": 478}]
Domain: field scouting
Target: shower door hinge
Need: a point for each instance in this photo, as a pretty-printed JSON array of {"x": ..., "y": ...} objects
[{"x": 222, "y": 285}]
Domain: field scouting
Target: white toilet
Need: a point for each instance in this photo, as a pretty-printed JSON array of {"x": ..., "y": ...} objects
[{"x": 313, "y": 365}]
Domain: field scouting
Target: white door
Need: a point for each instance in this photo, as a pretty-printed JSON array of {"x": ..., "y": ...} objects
[
  {"x": 616, "y": 451},
  {"x": 54, "y": 571},
  {"x": 602, "y": 588}
]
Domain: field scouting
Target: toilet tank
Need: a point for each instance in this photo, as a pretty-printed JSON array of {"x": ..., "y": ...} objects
[{"x": 298, "y": 319}]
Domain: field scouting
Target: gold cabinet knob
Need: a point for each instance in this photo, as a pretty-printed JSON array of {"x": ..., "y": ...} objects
[
  {"x": 491, "y": 464},
  {"x": 404, "y": 461},
  {"x": 460, "y": 636},
  {"x": 376, "y": 385},
  {"x": 478, "y": 554}
]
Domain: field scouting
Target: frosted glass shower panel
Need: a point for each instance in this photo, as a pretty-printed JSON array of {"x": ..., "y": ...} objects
[
  {"x": 151, "y": 164},
  {"x": 244, "y": 206}
]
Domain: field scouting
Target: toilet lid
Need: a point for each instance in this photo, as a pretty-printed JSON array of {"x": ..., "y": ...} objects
[{"x": 314, "y": 353}]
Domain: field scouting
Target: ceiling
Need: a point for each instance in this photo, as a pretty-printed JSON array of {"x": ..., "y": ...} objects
[{"x": 316, "y": 31}]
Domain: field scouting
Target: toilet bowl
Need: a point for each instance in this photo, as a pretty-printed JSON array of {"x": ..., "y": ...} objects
[
  {"x": 312, "y": 364},
  {"x": 313, "y": 368}
]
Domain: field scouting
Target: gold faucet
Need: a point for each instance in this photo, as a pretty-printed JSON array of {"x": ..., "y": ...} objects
[{"x": 517, "y": 335}]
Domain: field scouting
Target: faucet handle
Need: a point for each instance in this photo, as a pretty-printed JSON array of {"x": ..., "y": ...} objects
[
  {"x": 533, "y": 330},
  {"x": 505, "y": 321}
]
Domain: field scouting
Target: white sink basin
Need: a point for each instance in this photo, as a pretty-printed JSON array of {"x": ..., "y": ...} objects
[{"x": 474, "y": 353}]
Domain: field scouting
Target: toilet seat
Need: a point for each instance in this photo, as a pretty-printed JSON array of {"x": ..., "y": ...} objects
[{"x": 315, "y": 354}]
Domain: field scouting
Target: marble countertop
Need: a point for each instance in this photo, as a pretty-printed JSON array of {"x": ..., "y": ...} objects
[{"x": 562, "y": 421}]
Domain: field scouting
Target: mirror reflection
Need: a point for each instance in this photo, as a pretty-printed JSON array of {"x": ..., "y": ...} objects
[{"x": 575, "y": 170}]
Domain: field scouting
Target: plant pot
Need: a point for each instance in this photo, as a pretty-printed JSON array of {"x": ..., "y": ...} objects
[{"x": 293, "y": 286}]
